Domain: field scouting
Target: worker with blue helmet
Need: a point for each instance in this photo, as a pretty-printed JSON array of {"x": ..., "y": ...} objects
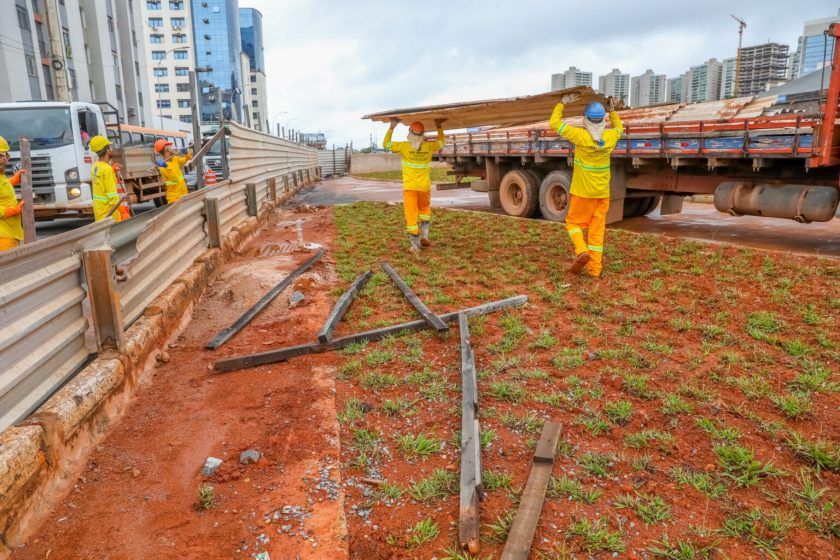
[{"x": 590, "y": 189}]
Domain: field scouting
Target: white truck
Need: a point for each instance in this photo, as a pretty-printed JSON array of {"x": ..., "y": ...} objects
[{"x": 61, "y": 159}]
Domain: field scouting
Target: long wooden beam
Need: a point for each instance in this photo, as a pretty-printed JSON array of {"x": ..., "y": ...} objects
[
  {"x": 471, "y": 485},
  {"x": 341, "y": 306},
  {"x": 433, "y": 320},
  {"x": 283, "y": 354},
  {"x": 521, "y": 534},
  {"x": 227, "y": 333}
]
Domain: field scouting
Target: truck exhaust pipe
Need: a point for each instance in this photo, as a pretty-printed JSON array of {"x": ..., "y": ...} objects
[{"x": 803, "y": 203}]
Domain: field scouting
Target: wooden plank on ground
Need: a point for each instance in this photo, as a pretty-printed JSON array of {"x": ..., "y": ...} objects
[
  {"x": 497, "y": 112},
  {"x": 521, "y": 534},
  {"x": 468, "y": 519},
  {"x": 227, "y": 333},
  {"x": 341, "y": 306},
  {"x": 433, "y": 320},
  {"x": 283, "y": 354}
]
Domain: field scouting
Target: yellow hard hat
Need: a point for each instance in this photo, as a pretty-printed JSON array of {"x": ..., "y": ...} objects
[
  {"x": 4, "y": 146},
  {"x": 98, "y": 143}
]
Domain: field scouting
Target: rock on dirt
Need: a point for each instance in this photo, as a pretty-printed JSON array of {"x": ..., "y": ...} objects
[
  {"x": 296, "y": 299},
  {"x": 249, "y": 456},
  {"x": 211, "y": 465}
]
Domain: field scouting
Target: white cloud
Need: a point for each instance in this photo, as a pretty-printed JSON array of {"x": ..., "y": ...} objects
[{"x": 330, "y": 62}]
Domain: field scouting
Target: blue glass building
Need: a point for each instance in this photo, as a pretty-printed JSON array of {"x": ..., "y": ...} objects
[
  {"x": 251, "y": 31},
  {"x": 218, "y": 45}
]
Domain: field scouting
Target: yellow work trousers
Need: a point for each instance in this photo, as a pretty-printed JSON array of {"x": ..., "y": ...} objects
[
  {"x": 418, "y": 208},
  {"x": 174, "y": 193},
  {"x": 588, "y": 213},
  {"x": 7, "y": 243}
]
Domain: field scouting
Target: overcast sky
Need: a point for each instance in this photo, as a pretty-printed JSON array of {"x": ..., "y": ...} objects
[{"x": 330, "y": 62}]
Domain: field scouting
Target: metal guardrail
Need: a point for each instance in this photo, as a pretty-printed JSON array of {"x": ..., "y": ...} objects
[
  {"x": 43, "y": 294},
  {"x": 334, "y": 162},
  {"x": 42, "y": 320}
]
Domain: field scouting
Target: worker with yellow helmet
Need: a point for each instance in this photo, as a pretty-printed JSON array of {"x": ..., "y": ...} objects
[
  {"x": 103, "y": 187},
  {"x": 11, "y": 228}
]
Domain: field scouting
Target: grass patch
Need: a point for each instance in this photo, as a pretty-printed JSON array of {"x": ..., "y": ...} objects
[
  {"x": 425, "y": 531},
  {"x": 700, "y": 481},
  {"x": 507, "y": 391},
  {"x": 650, "y": 509},
  {"x": 205, "y": 498},
  {"x": 595, "y": 536},
  {"x": 420, "y": 445},
  {"x": 619, "y": 412},
  {"x": 739, "y": 464},
  {"x": 565, "y": 487},
  {"x": 353, "y": 410},
  {"x": 439, "y": 484}
]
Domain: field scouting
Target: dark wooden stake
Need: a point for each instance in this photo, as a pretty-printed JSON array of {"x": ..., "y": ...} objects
[
  {"x": 229, "y": 332},
  {"x": 471, "y": 485},
  {"x": 283, "y": 354},
  {"x": 28, "y": 214},
  {"x": 341, "y": 306},
  {"x": 433, "y": 320},
  {"x": 521, "y": 534}
]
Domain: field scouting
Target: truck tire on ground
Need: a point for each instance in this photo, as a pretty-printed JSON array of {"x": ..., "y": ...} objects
[
  {"x": 519, "y": 193},
  {"x": 554, "y": 195},
  {"x": 635, "y": 207},
  {"x": 480, "y": 185}
]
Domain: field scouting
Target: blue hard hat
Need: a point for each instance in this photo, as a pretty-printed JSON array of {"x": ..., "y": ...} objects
[{"x": 595, "y": 112}]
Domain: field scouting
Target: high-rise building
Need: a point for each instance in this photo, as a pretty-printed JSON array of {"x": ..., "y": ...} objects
[
  {"x": 727, "y": 78},
  {"x": 678, "y": 88},
  {"x": 73, "y": 50},
  {"x": 170, "y": 55},
  {"x": 218, "y": 45},
  {"x": 794, "y": 59},
  {"x": 817, "y": 48},
  {"x": 760, "y": 65},
  {"x": 570, "y": 78},
  {"x": 615, "y": 84},
  {"x": 647, "y": 89},
  {"x": 705, "y": 81},
  {"x": 256, "y": 96}
]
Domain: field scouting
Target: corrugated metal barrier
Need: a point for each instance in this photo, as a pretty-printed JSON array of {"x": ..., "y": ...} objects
[
  {"x": 42, "y": 321},
  {"x": 42, "y": 287},
  {"x": 334, "y": 162}
]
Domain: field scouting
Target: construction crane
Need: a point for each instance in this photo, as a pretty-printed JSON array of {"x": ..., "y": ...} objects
[{"x": 741, "y": 25}]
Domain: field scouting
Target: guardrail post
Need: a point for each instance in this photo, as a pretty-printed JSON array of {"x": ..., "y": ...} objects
[
  {"x": 105, "y": 309},
  {"x": 251, "y": 198},
  {"x": 285, "y": 183},
  {"x": 308, "y": 177},
  {"x": 212, "y": 219},
  {"x": 272, "y": 189}
]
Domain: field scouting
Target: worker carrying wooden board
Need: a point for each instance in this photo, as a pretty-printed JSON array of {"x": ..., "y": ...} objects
[
  {"x": 590, "y": 189},
  {"x": 416, "y": 155}
]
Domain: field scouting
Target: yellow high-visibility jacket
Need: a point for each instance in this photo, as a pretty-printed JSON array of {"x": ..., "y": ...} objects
[
  {"x": 11, "y": 227},
  {"x": 591, "y": 177},
  {"x": 416, "y": 164},
  {"x": 103, "y": 189},
  {"x": 173, "y": 177}
]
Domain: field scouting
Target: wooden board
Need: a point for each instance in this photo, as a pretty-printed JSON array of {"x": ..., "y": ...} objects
[
  {"x": 341, "y": 306},
  {"x": 433, "y": 320},
  {"x": 492, "y": 112},
  {"x": 282, "y": 354},
  {"x": 227, "y": 333},
  {"x": 471, "y": 487},
  {"x": 521, "y": 534}
]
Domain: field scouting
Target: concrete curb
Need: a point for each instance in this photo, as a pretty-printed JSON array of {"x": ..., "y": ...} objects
[{"x": 41, "y": 457}]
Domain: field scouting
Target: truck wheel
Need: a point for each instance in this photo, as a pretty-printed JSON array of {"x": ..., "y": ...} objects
[
  {"x": 519, "y": 193},
  {"x": 554, "y": 195},
  {"x": 480, "y": 185},
  {"x": 635, "y": 207}
]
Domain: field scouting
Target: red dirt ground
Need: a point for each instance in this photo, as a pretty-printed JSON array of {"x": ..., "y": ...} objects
[{"x": 136, "y": 497}]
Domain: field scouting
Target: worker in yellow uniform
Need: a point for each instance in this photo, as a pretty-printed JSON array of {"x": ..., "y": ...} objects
[
  {"x": 417, "y": 182},
  {"x": 11, "y": 228},
  {"x": 170, "y": 169},
  {"x": 103, "y": 185},
  {"x": 590, "y": 190}
]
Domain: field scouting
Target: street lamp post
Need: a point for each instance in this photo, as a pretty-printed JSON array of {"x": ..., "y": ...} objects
[{"x": 160, "y": 109}]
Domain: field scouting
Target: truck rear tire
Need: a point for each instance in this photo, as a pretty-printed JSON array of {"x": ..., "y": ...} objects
[
  {"x": 635, "y": 207},
  {"x": 519, "y": 193},
  {"x": 554, "y": 195}
]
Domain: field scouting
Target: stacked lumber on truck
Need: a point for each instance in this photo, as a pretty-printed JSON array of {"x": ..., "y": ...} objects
[{"x": 492, "y": 112}]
